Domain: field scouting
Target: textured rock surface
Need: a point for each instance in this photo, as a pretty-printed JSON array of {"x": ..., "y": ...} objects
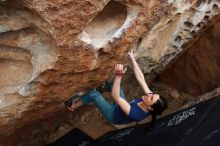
[
  {"x": 200, "y": 65},
  {"x": 50, "y": 50},
  {"x": 169, "y": 37},
  {"x": 46, "y": 56}
]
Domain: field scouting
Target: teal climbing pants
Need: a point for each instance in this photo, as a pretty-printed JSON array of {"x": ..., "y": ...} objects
[{"x": 106, "y": 108}]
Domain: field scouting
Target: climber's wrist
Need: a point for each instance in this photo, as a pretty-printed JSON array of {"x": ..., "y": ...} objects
[{"x": 119, "y": 73}]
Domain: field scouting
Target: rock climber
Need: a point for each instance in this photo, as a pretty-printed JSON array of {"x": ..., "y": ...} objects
[{"x": 123, "y": 111}]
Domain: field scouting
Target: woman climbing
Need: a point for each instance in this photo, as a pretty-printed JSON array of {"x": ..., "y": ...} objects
[{"x": 123, "y": 112}]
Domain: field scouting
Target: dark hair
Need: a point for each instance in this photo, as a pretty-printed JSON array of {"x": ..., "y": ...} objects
[{"x": 157, "y": 108}]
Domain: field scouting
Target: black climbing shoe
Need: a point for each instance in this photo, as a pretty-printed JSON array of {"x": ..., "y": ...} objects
[
  {"x": 102, "y": 88},
  {"x": 72, "y": 100}
]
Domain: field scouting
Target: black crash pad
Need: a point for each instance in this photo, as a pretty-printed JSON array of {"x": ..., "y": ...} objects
[{"x": 74, "y": 138}]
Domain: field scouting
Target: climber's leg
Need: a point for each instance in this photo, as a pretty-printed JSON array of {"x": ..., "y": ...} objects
[{"x": 104, "y": 107}]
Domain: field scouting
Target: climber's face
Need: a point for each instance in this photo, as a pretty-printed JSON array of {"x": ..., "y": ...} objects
[{"x": 150, "y": 98}]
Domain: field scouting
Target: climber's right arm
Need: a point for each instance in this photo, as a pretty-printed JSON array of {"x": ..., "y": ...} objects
[{"x": 124, "y": 105}]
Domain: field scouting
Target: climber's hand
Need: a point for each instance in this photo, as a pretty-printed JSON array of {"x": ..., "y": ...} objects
[
  {"x": 120, "y": 69},
  {"x": 131, "y": 54}
]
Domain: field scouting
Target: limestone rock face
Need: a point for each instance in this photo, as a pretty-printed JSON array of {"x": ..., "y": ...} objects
[
  {"x": 51, "y": 50},
  {"x": 170, "y": 37},
  {"x": 197, "y": 71}
]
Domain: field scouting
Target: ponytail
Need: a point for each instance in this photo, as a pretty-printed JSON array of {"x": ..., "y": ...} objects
[{"x": 158, "y": 107}]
